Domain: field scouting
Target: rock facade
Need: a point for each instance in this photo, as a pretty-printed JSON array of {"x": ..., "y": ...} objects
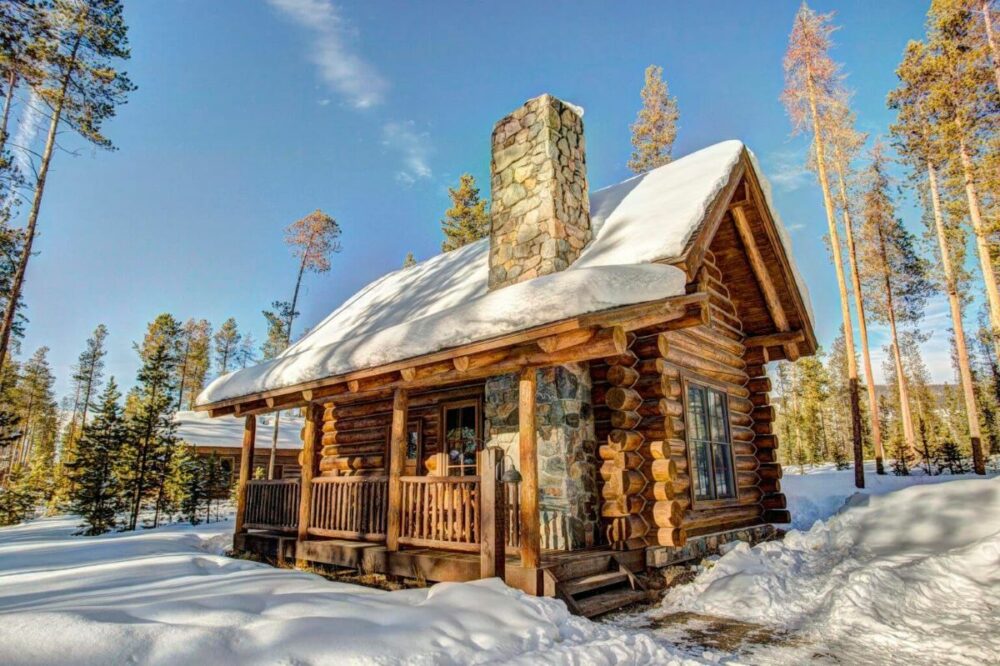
[
  {"x": 539, "y": 205},
  {"x": 567, "y": 463}
]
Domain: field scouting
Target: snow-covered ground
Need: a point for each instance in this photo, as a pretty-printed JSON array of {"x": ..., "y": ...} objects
[
  {"x": 907, "y": 572},
  {"x": 167, "y": 596},
  {"x": 902, "y": 575}
]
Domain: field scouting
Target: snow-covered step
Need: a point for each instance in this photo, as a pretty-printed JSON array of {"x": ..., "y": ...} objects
[{"x": 594, "y": 582}]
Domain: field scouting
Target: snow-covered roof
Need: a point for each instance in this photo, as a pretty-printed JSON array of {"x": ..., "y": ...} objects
[
  {"x": 197, "y": 429},
  {"x": 443, "y": 302}
]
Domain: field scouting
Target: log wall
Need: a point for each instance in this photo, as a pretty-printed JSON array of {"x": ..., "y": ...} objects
[
  {"x": 644, "y": 482},
  {"x": 356, "y": 434}
]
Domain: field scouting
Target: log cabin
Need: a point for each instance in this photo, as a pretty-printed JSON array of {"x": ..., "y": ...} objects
[
  {"x": 223, "y": 437},
  {"x": 578, "y": 398}
]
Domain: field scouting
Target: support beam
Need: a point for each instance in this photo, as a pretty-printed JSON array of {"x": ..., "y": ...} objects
[
  {"x": 775, "y": 339},
  {"x": 397, "y": 460},
  {"x": 492, "y": 514},
  {"x": 311, "y": 442},
  {"x": 246, "y": 471},
  {"x": 763, "y": 278},
  {"x": 530, "y": 533}
]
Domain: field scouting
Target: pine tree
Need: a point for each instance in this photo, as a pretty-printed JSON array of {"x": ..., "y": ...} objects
[
  {"x": 39, "y": 422},
  {"x": 192, "y": 483},
  {"x": 655, "y": 127},
  {"x": 227, "y": 343},
  {"x": 192, "y": 369},
  {"x": 82, "y": 88},
  {"x": 468, "y": 219},
  {"x": 813, "y": 94},
  {"x": 278, "y": 319},
  {"x": 952, "y": 458},
  {"x": 96, "y": 491},
  {"x": 150, "y": 414},
  {"x": 247, "y": 353},
  {"x": 894, "y": 275},
  {"x": 409, "y": 260}
]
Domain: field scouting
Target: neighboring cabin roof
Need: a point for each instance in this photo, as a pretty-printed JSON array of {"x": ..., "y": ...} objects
[
  {"x": 198, "y": 429},
  {"x": 443, "y": 302}
]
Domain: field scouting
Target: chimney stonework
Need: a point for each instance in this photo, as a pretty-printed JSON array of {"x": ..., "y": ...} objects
[{"x": 539, "y": 203}]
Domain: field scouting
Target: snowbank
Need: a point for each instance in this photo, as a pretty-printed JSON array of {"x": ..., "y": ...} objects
[
  {"x": 167, "y": 596},
  {"x": 912, "y": 576}
]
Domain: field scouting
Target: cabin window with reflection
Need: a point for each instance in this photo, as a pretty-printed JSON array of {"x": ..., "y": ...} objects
[
  {"x": 461, "y": 437},
  {"x": 711, "y": 446}
]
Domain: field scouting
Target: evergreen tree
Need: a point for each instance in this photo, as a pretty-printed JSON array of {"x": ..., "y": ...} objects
[
  {"x": 655, "y": 127},
  {"x": 246, "y": 354},
  {"x": 813, "y": 96},
  {"x": 227, "y": 343},
  {"x": 893, "y": 276},
  {"x": 194, "y": 361},
  {"x": 96, "y": 490},
  {"x": 192, "y": 484},
  {"x": 39, "y": 423},
  {"x": 277, "y": 329},
  {"x": 952, "y": 458},
  {"x": 17, "y": 499},
  {"x": 467, "y": 220},
  {"x": 409, "y": 260},
  {"x": 150, "y": 414},
  {"x": 82, "y": 88}
]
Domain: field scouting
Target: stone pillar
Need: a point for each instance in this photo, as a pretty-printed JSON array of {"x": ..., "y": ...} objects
[
  {"x": 539, "y": 204},
  {"x": 567, "y": 449}
]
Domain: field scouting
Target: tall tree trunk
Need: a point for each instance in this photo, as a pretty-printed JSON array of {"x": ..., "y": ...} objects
[
  {"x": 904, "y": 394},
  {"x": 994, "y": 52},
  {"x": 955, "y": 304},
  {"x": 7, "y": 102},
  {"x": 180, "y": 390},
  {"x": 982, "y": 242},
  {"x": 845, "y": 308},
  {"x": 859, "y": 306},
  {"x": 10, "y": 311},
  {"x": 272, "y": 456}
]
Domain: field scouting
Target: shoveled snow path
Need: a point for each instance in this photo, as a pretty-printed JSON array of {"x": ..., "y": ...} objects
[{"x": 167, "y": 597}]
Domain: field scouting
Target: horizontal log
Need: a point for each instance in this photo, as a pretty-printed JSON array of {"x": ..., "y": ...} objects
[
  {"x": 764, "y": 413},
  {"x": 621, "y": 460},
  {"x": 664, "y": 449},
  {"x": 625, "y": 440},
  {"x": 625, "y": 420},
  {"x": 424, "y": 371},
  {"x": 366, "y": 436},
  {"x": 335, "y": 450},
  {"x": 626, "y": 358},
  {"x": 766, "y": 455},
  {"x": 709, "y": 337},
  {"x": 623, "y": 399},
  {"x": 619, "y": 507},
  {"x": 752, "y": 495},
  {"x": 779, "y": 516},
  {"x": 621, "y": 375},
  {"x": 747, "y": 463},
  {"x": 670, "y": 536},
  {"x": 598, "y": 371},
  {"x": 741, "y": 434},
  {"x": 719, "y": 517},
  {"x": 774, "y": 501},
  {"x": 769, "y": 486},
  {"x": 738, "y": 404},
  {"x": 761, "y": 428},
  {"x": 756, "y": 371},
  {"x": 744, "y": 448},
  {"x": 759, "y": 385},
  {"x": 554, "y": 343},
  {"x": 760, "y": 399},
  {"x": 766, "y": 441},
  {"x": 769, "y": 471},
  {"x": 667, "y": 513},
  {"x": 627, "y": 527},
  {"x": 740, "y": 419},
  {"x": 747, "y": 479},
  {"x": 480, "y": 360},
  {"x": 621, "y": 482},
  {"x": 682, "y": 342},
  {"x": 663, "y": 470}
]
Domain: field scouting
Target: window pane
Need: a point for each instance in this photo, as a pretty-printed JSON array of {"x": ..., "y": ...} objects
[
  {"x": 696, "y": 413},
  {"x": 703, "y": 475},
  {"x": 724, "y": 485},
  {"x": 412, "y": 442},
  {"x": 717, "y": 415}
]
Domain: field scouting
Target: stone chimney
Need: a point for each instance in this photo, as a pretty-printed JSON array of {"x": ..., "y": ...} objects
[{"x": 539, "y": 203}]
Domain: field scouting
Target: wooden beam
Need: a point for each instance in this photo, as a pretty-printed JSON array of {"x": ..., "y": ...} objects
[
  {"x": 246, "y": 471},
  {"x": 774, "y": 339},
  {"x": 492, "y": 531},
  {"x": 760, "y": 270},
  {"x": 530, "y": 532},
  {"x": 555, "y": 343},
  {"x": 397, "y": 460},
  {"x": 311, "y": 443}
]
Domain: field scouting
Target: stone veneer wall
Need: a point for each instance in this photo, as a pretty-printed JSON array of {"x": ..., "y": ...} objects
[
  {"x": 539, "y": 206},
  {"x": 567, "y": 463}
]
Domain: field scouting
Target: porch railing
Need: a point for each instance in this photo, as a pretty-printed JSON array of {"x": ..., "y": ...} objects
[
  {"x": 350, "y": 507},
  {"x": 440, "y": 512},
  {"x": 272, "y": 505}
]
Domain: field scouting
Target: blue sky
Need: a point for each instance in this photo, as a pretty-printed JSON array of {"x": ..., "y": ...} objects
[{"x": 249, "y": 115}]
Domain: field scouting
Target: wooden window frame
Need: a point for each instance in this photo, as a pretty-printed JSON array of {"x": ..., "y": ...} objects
[
  {"x": 443, "y": 425},
  {"x": 697, "y": 504},
  {"x": 416, "y": 425}
]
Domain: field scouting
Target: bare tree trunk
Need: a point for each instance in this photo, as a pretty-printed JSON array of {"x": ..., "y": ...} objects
[
  {"x": 859, "y": 306},
  {"x": 982, "y": 243},
  {"x": 845, "y": 308},
  {"x": 904, "y": 394},
  {"x": 955, "y": 303},
  {"x": 180, "y": 390},
  {"x": 10, "y": 311},
  {"x": 8, "y": 99},
  {"x": 994, "y": 52},
  {"x": 288, "y": 340}
]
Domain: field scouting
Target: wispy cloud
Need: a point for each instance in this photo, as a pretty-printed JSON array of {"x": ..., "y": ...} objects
[
  {"x": 331, "y": 50},
  {"x": 413, "y": 146},
  {"x": 27, "y": 130},
  {"x": 787, "y": 170}
]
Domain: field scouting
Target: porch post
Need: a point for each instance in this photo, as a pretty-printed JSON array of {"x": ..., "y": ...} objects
[
  {"x": 246, "y": 471},
  {"x": 397, "y": 459},
  {"x": 310, "y": 437},
  {"x": 492, "y": 515},
  {"x": 530, "y": 534}
]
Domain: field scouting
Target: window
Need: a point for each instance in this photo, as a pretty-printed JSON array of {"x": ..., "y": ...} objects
[
  {"x": 711, "y": 447},
  {"x": 461, "y": 437}
]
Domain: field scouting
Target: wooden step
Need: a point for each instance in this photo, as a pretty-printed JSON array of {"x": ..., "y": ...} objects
[
  {"x": 583, "y": 565},
  {"x": 611, "y": 600},
  {"x": 594, "y": 582}
]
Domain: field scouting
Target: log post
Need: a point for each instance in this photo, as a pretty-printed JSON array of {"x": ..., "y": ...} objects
[
  {"x": 397, "y": 460},
  {"x": 246, "y": 471},
  {"x": 530, "y": 532},
  {"x": 311, "y": 436},
  {"x": 492, "y": 514}
]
